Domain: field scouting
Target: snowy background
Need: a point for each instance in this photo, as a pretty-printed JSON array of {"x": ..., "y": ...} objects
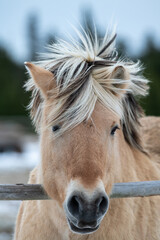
[{"x": 15, "y": 168}]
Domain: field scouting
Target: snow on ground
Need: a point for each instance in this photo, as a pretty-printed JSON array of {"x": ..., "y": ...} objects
[
  {"x": 15, "y": 168},
  {"x": 9, "y": 161}
]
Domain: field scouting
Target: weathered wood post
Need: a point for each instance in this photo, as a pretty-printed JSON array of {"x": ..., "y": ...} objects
[{"x": 120, "y": 190}]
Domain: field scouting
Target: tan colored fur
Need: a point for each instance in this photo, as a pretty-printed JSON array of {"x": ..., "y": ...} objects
[
  {"x": 85, "y": 150},
  {"x": 135, "y": 218}
]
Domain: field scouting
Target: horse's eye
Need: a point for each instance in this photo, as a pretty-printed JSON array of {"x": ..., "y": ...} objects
[
  {"x": 55, "y": 128},
  {"x": 113, "y": 130}
]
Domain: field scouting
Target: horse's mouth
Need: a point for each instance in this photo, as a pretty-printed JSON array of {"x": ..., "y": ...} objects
[{"x": 85, "y": 230}]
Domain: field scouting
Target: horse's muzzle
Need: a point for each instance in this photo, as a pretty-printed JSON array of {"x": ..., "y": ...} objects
[{"x": 84, "y": 213}]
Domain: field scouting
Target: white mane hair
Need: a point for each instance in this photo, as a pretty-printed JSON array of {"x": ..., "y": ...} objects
[{"x": 82, "y": 71}]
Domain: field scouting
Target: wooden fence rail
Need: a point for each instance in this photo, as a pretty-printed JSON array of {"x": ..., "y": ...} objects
[{"x": 120, "y": 190}]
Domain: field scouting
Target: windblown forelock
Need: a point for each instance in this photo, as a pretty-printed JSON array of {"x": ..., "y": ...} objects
[
  {"x": 82, "y": 74},
  {"x": 76, "y": 101}
]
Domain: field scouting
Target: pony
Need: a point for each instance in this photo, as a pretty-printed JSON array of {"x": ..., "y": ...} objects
[{"x": 93, "y": 133}]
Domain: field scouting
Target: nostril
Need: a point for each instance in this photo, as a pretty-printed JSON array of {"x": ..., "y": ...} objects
[
  {"x": 73, "y": 205},
  {"x": 102, "y": 204}
]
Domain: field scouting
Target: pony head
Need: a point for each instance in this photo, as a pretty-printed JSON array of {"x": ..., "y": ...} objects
[{"x": 84, "y": 108}]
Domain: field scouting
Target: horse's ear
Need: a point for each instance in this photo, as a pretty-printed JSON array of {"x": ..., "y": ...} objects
[
  {"x": 121, "y": 77},
  {"x": 43, "y": 78}
]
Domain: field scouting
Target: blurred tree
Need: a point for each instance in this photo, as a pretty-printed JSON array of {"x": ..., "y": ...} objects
[
  {"x": 151, "y": 60},
  {"x": 33, "y": 37},
  {"x": 12, "y": 97}
]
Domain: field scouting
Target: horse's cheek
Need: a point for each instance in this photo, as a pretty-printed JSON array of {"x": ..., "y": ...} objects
[{"x": 54, "y": 187}]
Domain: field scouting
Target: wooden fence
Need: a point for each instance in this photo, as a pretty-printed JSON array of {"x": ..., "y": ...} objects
[{"x": 120, "y": 190}]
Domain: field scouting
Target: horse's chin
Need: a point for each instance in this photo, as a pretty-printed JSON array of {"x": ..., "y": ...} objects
[{"x": 84, "y": 230}]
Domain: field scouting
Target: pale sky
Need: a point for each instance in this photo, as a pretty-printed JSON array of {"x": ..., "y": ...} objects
[{"x": 135, "y": 20}]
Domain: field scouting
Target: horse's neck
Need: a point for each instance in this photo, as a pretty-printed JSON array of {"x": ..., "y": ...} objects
[{"x": 136, "y": 166}]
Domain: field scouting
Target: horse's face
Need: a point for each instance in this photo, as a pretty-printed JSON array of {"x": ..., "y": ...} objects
[{"x": 78, "y": 166}]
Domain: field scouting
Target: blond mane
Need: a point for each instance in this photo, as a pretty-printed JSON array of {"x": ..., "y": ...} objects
[{"x": 82, "y": 71}]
